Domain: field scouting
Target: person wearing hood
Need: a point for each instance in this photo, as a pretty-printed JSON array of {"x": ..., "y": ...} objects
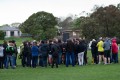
[{"x": 114, "y": 51}]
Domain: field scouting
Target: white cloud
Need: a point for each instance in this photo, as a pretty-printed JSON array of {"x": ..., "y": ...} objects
[{"x": 19, "y": 10}]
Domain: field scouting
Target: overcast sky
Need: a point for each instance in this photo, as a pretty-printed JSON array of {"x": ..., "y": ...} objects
[{"x": 19, "y": 10}]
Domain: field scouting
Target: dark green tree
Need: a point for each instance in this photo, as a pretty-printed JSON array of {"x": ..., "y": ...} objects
[
  {"x": 87, "y": 26},
  {"x": 2, "y": 35},
  {"x": 40, "y": 25},
  {"x": 104, "y": 21},
  {"x": 108, "y": 18}
]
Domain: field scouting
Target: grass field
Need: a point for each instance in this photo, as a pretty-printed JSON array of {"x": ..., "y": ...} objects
[
  {"x": 18, "y": 40},
  {"x": 88, "y": 72}
]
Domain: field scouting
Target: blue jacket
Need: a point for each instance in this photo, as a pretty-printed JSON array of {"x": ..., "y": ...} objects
[{"x": 35, "y": 51}]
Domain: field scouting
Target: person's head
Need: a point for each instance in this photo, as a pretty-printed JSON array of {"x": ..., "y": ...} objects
[
  {"x": 11, "y": 43},
  {"x": 55, "y": 41},
  {"x": 50, "y": 41},
  {"x": 93, "y": 40},
  {"x": 34, "y": 43},
  {"x": 59, "y": 41},
  {"x": 42, "y": 41},
  {"x": 100, "y": 39}
]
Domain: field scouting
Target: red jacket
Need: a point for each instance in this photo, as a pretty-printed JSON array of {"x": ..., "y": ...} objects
[{"x": 114, "y": 47}]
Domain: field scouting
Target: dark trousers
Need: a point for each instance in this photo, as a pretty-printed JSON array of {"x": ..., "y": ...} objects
[
  {"x": 1, "y": 62},
  {"x": 115, "y": 58},
  {"x": 40, "y": 61},
  {"x": 95, "y": 56},
  {"x": 34, "y": 61},
  {"x": 29, "y": 61},
  {"x": 24, "y": 60},
  {"x": 85, "y": 57},
  {"x": 44, "y": 59},
  {"x": 55, "y": 61},
  {"x": 70, "y": 58}
]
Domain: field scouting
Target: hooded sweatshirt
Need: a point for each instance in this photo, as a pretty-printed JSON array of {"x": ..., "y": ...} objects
[{"x": 114, "y": 47}]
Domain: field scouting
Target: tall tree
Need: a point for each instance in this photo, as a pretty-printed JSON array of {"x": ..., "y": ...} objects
[
  {"x": 87, "y": 26},
  {"x": 67, "y": 23},
  {"x": 2, "y": 35},
  {"x": 40, "y": 25},
  {"x": 108, "y": 18}
]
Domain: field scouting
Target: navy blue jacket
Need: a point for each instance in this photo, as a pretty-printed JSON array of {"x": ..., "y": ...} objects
[{"x": 35, "y": 51}]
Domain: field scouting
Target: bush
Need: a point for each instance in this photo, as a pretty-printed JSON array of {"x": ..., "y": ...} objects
[{"x": 2, "y": 35}]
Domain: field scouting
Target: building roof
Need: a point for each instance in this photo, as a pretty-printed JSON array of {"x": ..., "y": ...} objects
[{"x": 8, "y": 28}]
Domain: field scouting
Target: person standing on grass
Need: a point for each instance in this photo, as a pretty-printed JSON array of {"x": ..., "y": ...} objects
[
  {"x": 44, "y": 49},
  {"x": 50, "y": 53},
  {"x": 64, "y": 53},
  {"x": 1, "y": 56},
  {"x": 35, "y": 52},
  {"x": 40, "y": 61},
  {"x": 114, "y": 51},
  {"x": 76, "y": 50},
  {"x": 29, "y": 56},
  {"x": 15, "y": 54},
  {"x": 60, "y": 51},
  {"x": 107, "y": 48},
  {"x": 9, "y": 53},
  {"x": 81, "y": 50},
  {"x": 55, "y": 54},
  {"x": 4, "y": 51},
  {"x": 26, "y": 54},
  {"x": 70, "y": 47},
  {"x": 100, "y": 50},
  {"x": 94, "y": 51},
  {"x": 85, "y": 53}
]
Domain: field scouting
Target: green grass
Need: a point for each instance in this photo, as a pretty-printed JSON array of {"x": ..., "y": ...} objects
[
  {"x": 88, "y": 72},
  {"x": 18, "y": 40}
]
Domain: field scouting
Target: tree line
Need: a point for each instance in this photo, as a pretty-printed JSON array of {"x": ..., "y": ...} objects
[{"x": 103, "y": 21}]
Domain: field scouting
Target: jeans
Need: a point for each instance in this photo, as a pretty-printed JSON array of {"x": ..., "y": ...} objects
[
  {"x": 60, "y": 58},
  {"x": 115, "y": 58},
  {"x": 70, "y": 55},
  {"x": 9, "y": 58},
  {"x": 40, "y": 61},
  {"x": 34, "y": 61},
  {"x": 14, "y": 60},
  {"x": 44, "y": 59}
]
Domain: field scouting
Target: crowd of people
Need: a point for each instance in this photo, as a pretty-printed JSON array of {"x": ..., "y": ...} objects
[{"x": 56, "y": 52}]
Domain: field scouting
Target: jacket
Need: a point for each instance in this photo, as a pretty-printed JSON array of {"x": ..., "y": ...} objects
[
  {"x": 35, "y": 51},
  {"x": 114, "y": 47}
]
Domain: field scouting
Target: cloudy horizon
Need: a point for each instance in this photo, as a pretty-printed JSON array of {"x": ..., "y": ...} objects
[{"x": 19, "y": 10}]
